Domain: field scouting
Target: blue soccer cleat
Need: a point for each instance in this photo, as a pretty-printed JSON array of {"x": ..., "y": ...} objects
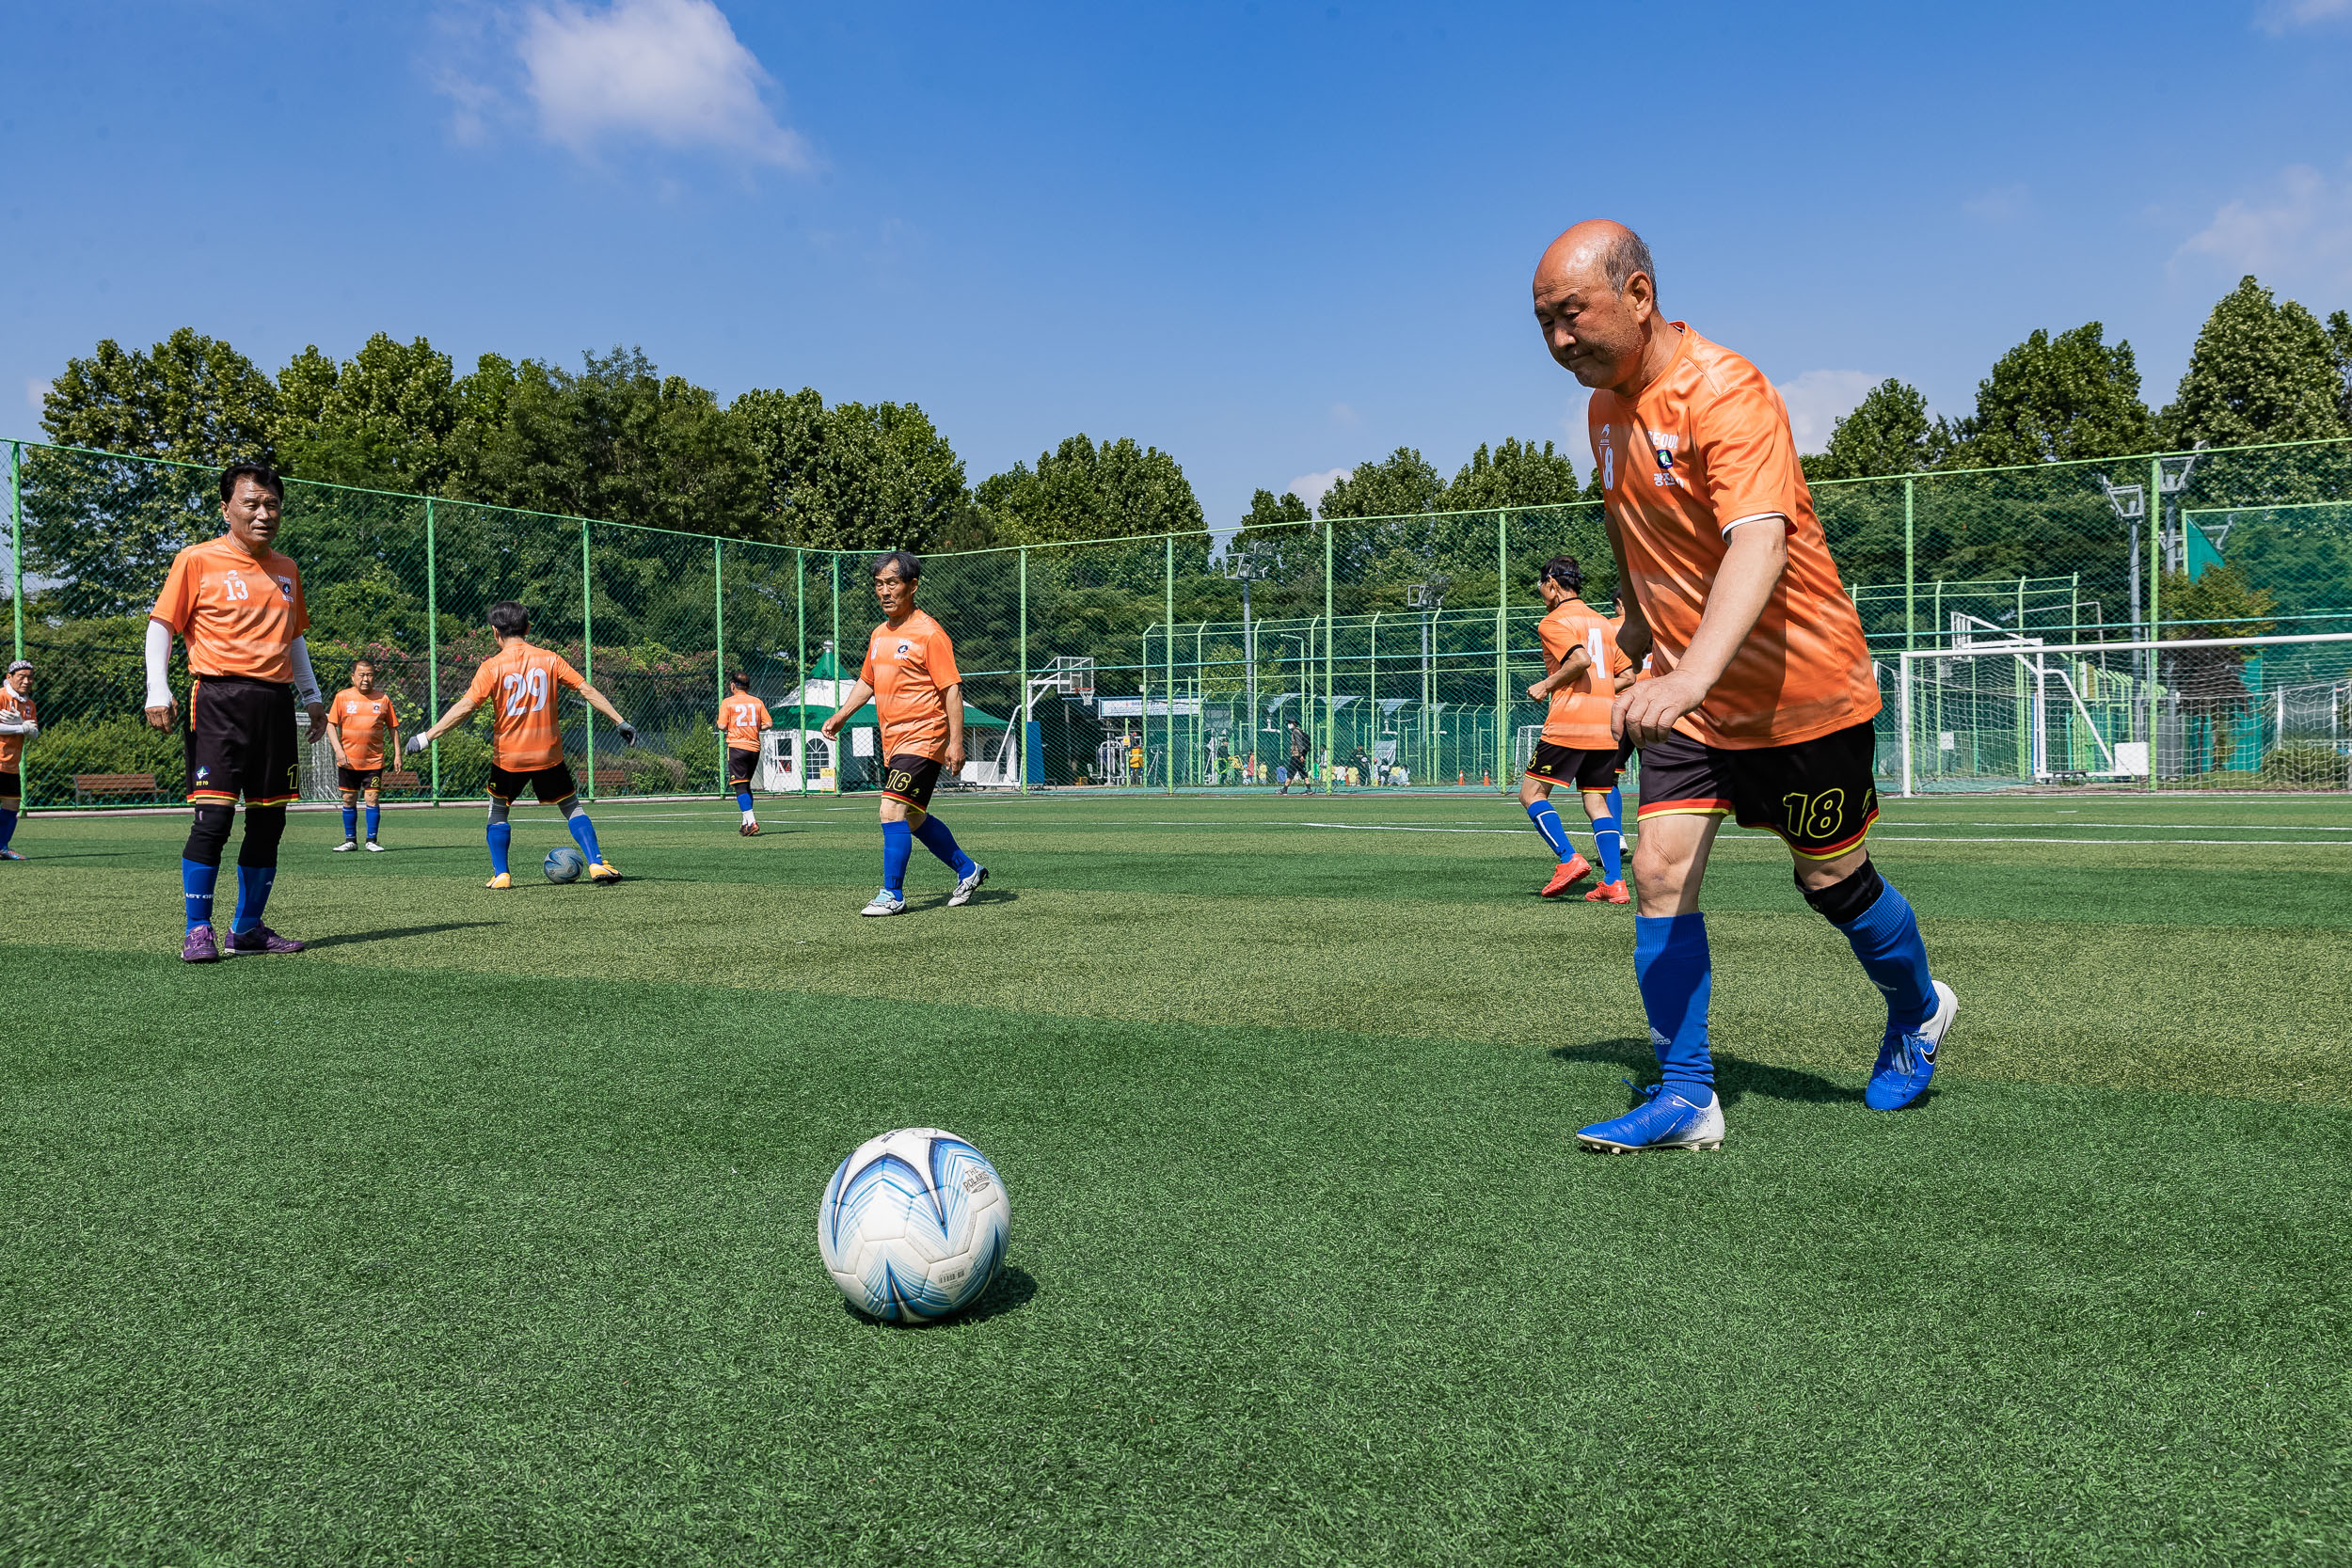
[
  {"x": 1663, "y": 1121},
  {"x": 1906, "y": 1062}
]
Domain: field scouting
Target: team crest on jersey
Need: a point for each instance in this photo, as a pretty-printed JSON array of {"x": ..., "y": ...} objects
[
  {"x": 905, "y": 648},
  {"x": 1664, "y": 447},
  {"x": 285, "y": 589}
]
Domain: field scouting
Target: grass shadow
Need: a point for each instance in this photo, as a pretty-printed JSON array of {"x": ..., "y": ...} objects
[
  {"x": 1014, "y": 1288},
  {"x": 1735, "y": 1077},
  {"x": 395, "y": 932}
]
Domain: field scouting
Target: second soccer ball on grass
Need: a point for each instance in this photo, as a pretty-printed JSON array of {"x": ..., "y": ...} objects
[
  {"x": 914, "y": 1224},
  {"x": 565, "y": 864}
]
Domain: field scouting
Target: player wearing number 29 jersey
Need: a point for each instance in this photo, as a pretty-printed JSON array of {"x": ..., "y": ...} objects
[{"x": 520, "y": 684}]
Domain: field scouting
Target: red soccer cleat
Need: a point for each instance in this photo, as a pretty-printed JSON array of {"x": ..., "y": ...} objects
[
  {"x": 1572, "y": 871},
  {"x": 1609, "y": 892}
]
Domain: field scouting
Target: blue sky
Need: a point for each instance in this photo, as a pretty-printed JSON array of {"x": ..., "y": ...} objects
[{"x": 1274, "y": 239}]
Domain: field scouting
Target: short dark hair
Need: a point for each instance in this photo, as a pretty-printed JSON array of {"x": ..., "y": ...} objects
[
  {"x": 1562, "y": 570},
  {"x": 509, "y": 618},
  {"x": 739, "y": 678},
  {"x": 1626, "y": 255},
  {"x": 260, "y": 473},
  {"x": 364, "y": 660},
  {"x": 910, "y": 569}
]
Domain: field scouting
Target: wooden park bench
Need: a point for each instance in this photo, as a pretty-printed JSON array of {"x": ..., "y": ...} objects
[
  {"x": 611, "y": 781},
  {"x": 89, "y": 785},
  {"x": 396, "y": 778}
]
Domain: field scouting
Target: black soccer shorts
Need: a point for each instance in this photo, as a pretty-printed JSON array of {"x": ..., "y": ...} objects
[
  {"x": 1818, "y": 795},
  {"x": 742, "y": 766},
  {"x": 11, "y": 787},
  {"x": 240, "y": 741},
  {"x": 551, "y": 784},
  {"x": 1590, "y": 769},
  {"x": 911, "y": 779},
  {"x": 357, "y": 778}
]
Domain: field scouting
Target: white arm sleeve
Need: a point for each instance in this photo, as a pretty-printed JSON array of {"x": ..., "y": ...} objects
[
  {"x": 158, "y": 664},
  {"x": 306, "y": 685}
]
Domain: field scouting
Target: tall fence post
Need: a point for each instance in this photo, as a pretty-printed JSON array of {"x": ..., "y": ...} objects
[
  {"x": 1168, "y": 636},
  {"x": 2155, "y": 623},
  {"x": 1910, "y": 573},
  {"x": 1022, "y": 772},
  {"x": 1330, "y": 638},
  {"x": 840, "y": 773},
  {"x": 799, "y": 664},
  {"x": 16, "y": 542},
  {"x": 433, "y": 641},
  {"x": 1502, "y": 641},
  {"x": 587, "y": 650},
  {"x": 719, "y": 624}
]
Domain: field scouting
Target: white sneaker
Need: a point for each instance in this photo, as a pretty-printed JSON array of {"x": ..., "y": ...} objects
[
  {"x": 884, "y": 903},
  {"x": 966, "y": 887},
  {"x": 374, "y": 848},
  {"x": 345, "y": 844}
]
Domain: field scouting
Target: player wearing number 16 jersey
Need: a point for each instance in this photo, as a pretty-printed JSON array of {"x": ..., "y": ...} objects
[
  {"x": 521, "y": 684},
  {"x": 1764, "y": 704}
]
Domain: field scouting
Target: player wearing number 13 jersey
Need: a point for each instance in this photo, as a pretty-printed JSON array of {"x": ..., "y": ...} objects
[
  {"x": 520, "y": 684},
  {"x": 1764, "y": 703}
]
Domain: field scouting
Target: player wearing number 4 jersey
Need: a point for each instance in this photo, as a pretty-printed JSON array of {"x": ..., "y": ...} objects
[
  {"x": 911, "y": 674},
  {"x": 1763, "y": 706},
  {"x": 521, "y": 684}
]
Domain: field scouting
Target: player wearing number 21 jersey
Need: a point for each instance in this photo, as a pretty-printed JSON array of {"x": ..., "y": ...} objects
[
  {"x": 520, "y": 684},
  {"x": 1763, "y": 703},
  {"x": 741, "y": 718}
]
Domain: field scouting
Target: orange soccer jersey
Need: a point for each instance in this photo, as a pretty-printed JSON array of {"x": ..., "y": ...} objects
[
  {"x": 743, "y": 718},
  {"x": 1578, "y": 716},
  {"x": 360, "y": 722},
  {"x": 521, "y": 683},
  {"x": 238, "y": 614},
  {"x": 1704, "y": 447},
  {"x": 911, "y": 666},
  {"x": 14, "y": 711}
]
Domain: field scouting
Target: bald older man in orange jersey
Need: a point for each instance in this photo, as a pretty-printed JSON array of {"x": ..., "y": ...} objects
[{"x": 1764, "y": 705}]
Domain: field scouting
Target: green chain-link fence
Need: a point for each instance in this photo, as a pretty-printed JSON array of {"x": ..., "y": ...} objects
[{"x": 1385, "y": 651}]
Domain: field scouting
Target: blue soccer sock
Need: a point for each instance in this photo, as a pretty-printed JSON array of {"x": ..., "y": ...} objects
[
  {"x": 1676, "y": 975},
  {"x": 742, "y": 799},
  {"x": 898, "y": 848},
  {"x": 940, "y": 842},
  {"x": 197, "y": 881},
  {"x": 375, "y": 819},
  {"x": 7, "y": 825},
  {"x": 584, "y": 835},
  {"x": 253, "y": 885},
  {"x": 351, "y": 822},
  {"x": 1609, "y": 838},
  {"x": 1546, "y": 820},
  {"x": 502, "y": 837},
  {"x": 1885, "y": 937}
]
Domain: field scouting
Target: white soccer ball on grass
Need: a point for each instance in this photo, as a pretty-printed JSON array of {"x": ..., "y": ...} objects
[{"x": 914, "y": 1224}]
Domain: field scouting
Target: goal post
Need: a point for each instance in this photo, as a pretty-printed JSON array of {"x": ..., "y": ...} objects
[{"x": 2011, "y": 712}]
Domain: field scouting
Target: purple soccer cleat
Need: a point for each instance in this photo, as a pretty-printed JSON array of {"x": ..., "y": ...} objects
[
  {"x": 200, "y": 947},
  {"x": 262, "y": 940}
]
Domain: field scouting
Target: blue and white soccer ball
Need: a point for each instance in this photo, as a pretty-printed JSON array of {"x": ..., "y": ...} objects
[
  {"x": 565, "y": 864},
  {"x": 914, "y": 1224}
]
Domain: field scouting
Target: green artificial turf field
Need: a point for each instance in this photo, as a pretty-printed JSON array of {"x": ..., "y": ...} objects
[{"x": 485, "y": 1231}]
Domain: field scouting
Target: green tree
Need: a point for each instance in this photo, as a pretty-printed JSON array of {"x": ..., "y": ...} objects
[
  {"x": 105, "y": 528},
  {"x": 382, "y": 420},
  {"x": 1083, "y": 491},
  {"x": 2261, "y": 372},
  {"x": 2340, "y": 355},
  {"x": 1401, "y": 484},
  {"x": 854, "y": 477},
  {"x": 2050, "y": 400},
  {"x": 1516, "y": 474},
  {"x": 1888, "y": 432}
]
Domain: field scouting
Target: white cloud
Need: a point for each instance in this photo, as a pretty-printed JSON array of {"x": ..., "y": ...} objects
[
  {"x": 671, "y": 73},
  {"x": 1312, "y": 488},
  {"x": 2002, "y": 204},
  {"x": 2281, "y": 16},
  {"x": 1818, "y": 399},
  {"x": 36, "y": 391},
  {"x": 2297, "y": 228},
  {"x": 1343, "y": 413}
]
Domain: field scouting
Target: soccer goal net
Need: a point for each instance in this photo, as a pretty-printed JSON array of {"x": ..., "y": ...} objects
[{"x": 2271, "y": 713}]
